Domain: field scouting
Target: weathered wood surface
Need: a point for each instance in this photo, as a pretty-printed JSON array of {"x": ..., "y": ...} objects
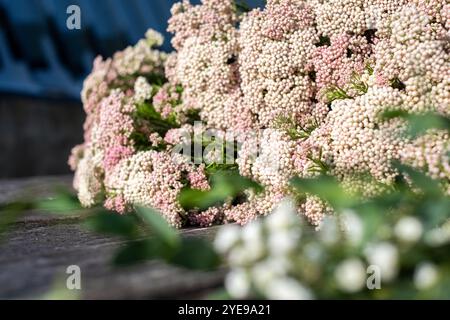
[
  {"x": 38, "y": 249},
  {"x": 36, "y": 135}
]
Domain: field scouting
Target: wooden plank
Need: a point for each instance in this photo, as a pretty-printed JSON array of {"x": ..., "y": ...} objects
[
  {"x": 39, "y": 248},
  {"x": 37, "y": 135}
]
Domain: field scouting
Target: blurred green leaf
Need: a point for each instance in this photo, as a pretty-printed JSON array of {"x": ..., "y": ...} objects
[
  {"x": 224, "y": 185},
  {"x": 10, "y": 212},
  {"x": 419, "y": 123},
  {"x": 196, "y": 254},
  {"x": 434, "y": 212},
  {"x": 159, "y": 226},
  {"x": 428, "y": 185},
  {"x": 220, "y": 294},
  {"x": 327, "y": 188},
  {"x": 113, "y": 223},
  {"x": 63, "y": 202},
  {"x": 139, "y": 251}
]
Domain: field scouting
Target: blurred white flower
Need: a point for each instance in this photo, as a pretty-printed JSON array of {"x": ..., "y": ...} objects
[
  {"x": 253, "y": 240},
  {"x": 283, "y": 217},
  {"x": 287, "y": 289},
  {"x": 283, "y": 242},
  {"x": 313, "y": 252},
  {"x": 329, "y": 232},
  {"x": 425, "y": 276},
  {"x": 266, "y": 271},
  {"x": 385, "y": 256},
  {"x": 408, "y": 229},
  {"x": 142, "y": 90},
  {"x": 237, "y": 283},
  {"x": 226, "y": 238},
  {"x": 350, "y": 275},
  {"x": 154, "y": 38},
  {"x": 438, "y": 236},
  {"x": 353, "y": 226},
  {"x": 239, "y": 256}
]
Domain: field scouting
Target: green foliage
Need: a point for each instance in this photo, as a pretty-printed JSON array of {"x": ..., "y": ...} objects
[
  {"x": 9, "y": 213},
  {"x": 196, "y": 254},
  {"x": 159, "y": 226},
  {"x": 146, "y": 234},
  {"x": 325, "y": 187},
  {"x": 63, "y": 202},
  {"x": 293, "y": 129},
  {"x": 335, "y": 93},
  {"x": 225, "y": 185},
  {"x": 113, "y": 224},
  {"x": 357, "y": 84},
  {"x": 319, "y": 165},
  {"x": 418, "y": 124}
]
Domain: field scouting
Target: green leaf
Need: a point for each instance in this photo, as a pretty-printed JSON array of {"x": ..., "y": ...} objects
[
  {"x": 428, "y": 185},
  {"x": 197, "y": 254},
  {"x": 224, "y": 185},
  {"x": 113, "y": 223},
  {"x": 219, "y": 294},
  {"x": 419, "y": 123},
  {"x": 139, "y": 251},
  {"x": 63, "y": 203},
  {"x": 434, "y": 212},
  {"x": 327, "y": 188},
  {"x": 159, "y": 226},
  {"x": 9, "y": 213}
]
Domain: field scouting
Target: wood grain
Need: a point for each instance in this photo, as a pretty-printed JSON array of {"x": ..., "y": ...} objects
[{"x": 38, "y": 249}]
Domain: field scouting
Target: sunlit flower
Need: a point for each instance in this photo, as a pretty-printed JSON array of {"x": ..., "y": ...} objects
[
  {"x": 426, "y": 275},
  {"x": 237, "y": 283},
  {"x": 408, "y": 229},
  {"x": 385, "y": 256},
  {"x": 350, "y": 275}
]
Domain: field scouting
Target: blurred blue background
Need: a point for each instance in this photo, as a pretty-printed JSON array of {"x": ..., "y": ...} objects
[
  {"x": 42, "y": 67},
  {"x": 40, "y": 56}
]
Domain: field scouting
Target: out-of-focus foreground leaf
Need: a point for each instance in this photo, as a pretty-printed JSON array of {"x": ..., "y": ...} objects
[
  {"x": 159, "y": 226},
  {"x": 113, "y": 223},
  {"x": 327, "y": 188},
  {"x": 419, "y": 123},
  {"x": 224, "y": 185}
]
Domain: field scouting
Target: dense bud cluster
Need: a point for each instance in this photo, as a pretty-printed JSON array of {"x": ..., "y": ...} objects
[{"x": 305, "y": 82}]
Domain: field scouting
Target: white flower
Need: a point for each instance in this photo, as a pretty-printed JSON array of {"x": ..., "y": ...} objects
[
  {"x": 283, "y": 217},
  {"x": 287, "y": 289},
  {"x": 263, "y": 273},
  {"x": 425, "y": 276},
  {"x": 142, "y": 90},
  {"x": 154, "y": 38},
  {"x": 408, "y": 229},
  {"x": 237, "y": 283},
  {"x": 239, "y": 256},
  {"x": 329, "y": 231},
  {"x": 385, "y": 256},
  {"x": 350, "y": 275},
  {"x": 226, "y": 238},
  {"x": 253, "y": 241},
  {"x": 283, "y": 242},
  {"x": 438, "y": 236},
  {"x": 314, "y": 252},
  {"x": 354, "y": 227}
]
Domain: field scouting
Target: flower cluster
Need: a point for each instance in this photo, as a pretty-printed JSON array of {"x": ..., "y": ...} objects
[
  {"x": 305, "y": 83},
  {"x": 279, "y": 258}
]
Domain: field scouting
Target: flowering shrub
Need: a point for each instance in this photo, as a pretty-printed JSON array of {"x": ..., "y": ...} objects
[
  {"x": 394, "y": 246},
  {"x": 297, "y": 88}
]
